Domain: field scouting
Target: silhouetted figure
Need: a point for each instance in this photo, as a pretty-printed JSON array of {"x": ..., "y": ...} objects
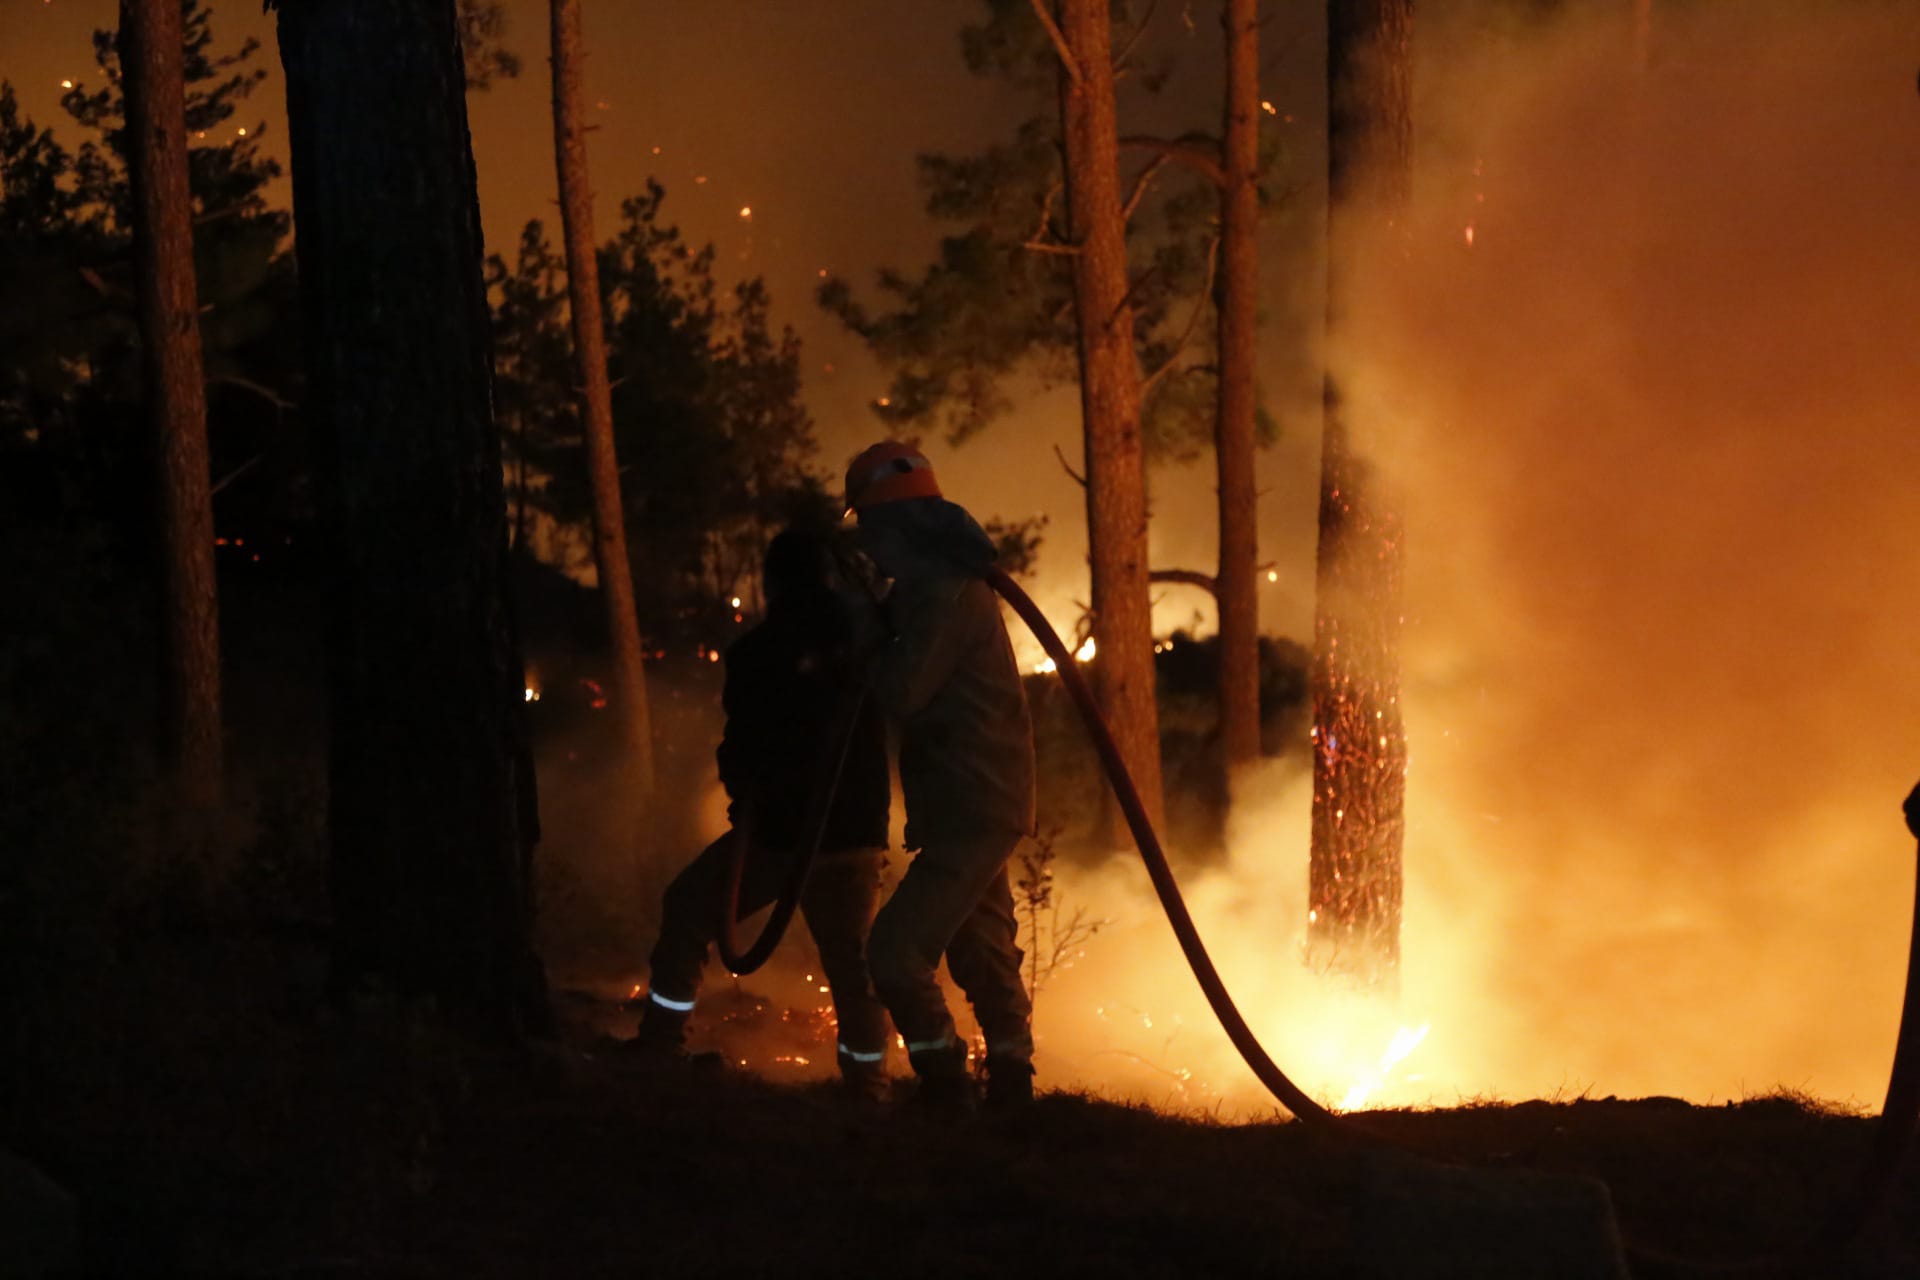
[
  {"x": 788, "y": 682},
  {"x": 949, "y": 684}
]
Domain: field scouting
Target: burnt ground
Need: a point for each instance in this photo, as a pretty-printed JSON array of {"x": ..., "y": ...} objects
[{"x": 254, "y": 1139}]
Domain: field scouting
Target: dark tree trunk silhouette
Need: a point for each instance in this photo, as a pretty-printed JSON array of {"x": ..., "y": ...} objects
[
  {"x": 169, "y": 309},
  {"x": 432, "y": 814},
  {"x": 1360, "y": 748},
  {"x": 1233, "y": 437},
  {"x": 1109, "y": 393},
  {"x": 590, "y": 358}
]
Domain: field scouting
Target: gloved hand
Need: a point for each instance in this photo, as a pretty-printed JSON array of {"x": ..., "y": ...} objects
[{"x": 1913, "y": 810}]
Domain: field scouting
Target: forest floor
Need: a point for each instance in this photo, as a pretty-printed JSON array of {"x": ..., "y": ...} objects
[{"x": 262, "y": 1144}]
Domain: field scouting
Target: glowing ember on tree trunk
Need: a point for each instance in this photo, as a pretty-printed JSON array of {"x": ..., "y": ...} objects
[{"x": 1359, "y": 741}]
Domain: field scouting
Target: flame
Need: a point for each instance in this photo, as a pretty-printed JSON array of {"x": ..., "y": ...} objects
[{"x": 1404, "y": 1042}]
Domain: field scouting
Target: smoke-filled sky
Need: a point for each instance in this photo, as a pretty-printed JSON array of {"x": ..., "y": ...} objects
[{"x": 1654, "y": 425}]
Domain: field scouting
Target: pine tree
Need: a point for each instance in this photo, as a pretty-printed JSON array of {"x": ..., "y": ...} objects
[
  {"x": 1235, "y": 587},
  {"x": 169, "y": 312},
  {"x": 1360, "y": 747},
  {"x": 1116, "y": 482},
  {"x": 596, "y": 396},
  {"x": 432, "y": 815}
]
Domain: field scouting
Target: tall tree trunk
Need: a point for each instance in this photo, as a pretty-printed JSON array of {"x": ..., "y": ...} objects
[
  {"x": 1360, "y": 747},
  {"x": 590, "y": 356},
  {"x": 1109, "y": 398},
  {"x": 432, "y": 813},
  {"x": 1642, "y": 32},
  {"x": 151, "y": 57},
  {"x": 1233, "y": 435}
]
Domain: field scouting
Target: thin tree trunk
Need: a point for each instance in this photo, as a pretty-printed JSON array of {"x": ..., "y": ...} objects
[
  {"x": 1233, "y": 438},
  {"x": 1642, "y": 32},
  {"x": 432, "y": 815},
  {"x": 590, "y": 355},
  {"x": 1109, "y": 400},
  {"x": 1360, "y": 748},
  {"x": 169, "y": 306}
]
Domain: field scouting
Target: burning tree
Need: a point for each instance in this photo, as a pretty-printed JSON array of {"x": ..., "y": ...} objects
[{"x": 1360, "y": 748}]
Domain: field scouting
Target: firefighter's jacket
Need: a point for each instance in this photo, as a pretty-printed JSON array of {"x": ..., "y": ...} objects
[
  {"x": 947, "y": 676},
  {"x": 787, "y": 687}
]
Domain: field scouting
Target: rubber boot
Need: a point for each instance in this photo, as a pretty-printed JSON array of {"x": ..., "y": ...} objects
[
  {"x": 662, "y": 1033},
  {"x": 662, "y": 1040},
  {"x": 946, "y": 1089},
  {"x": 1009, "y": 1084},
  {"x": 865, "y": 1082}
]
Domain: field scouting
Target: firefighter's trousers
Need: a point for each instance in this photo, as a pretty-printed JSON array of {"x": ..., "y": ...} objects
[
  {"x": 954, "y": 901},
  {"x": 838, "y": 906}
]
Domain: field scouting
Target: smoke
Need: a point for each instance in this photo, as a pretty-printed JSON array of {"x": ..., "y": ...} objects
[{"x": 1653, "y": 425}]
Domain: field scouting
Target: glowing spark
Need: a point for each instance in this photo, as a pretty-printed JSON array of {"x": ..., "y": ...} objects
[
  {"x": 656, "y": 151},
  {"x": 1268, "y": 107},
  {"x": 66, "y": 84},
  {"x": 884, "y": 401},
  {"x": 635, "y": 993},
  {"x": 241, "y": 132},
  {"x": 746, "y": 212},
  {"x": 1273, "y": 575},
  {"x": 533, "y": 694},
  {"x": 713, "y": 655},
  {"x": 1469, "y": 235},
  {"x": 700, "y": 180},
  {"x": 736, "y": 602}
]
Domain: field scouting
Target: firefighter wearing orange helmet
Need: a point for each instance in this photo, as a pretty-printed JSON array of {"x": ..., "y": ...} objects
[{"x": 945, "y": 676}]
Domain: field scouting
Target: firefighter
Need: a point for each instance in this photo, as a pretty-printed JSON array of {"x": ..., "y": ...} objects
[
  {"x": 944, "y": 672},
  {"x": 788, "y": 683}
]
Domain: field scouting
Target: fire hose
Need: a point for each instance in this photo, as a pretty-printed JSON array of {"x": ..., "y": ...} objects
[{"x": 1899, "y": 1117}]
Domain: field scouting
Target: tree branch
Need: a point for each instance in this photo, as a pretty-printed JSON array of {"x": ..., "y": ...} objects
[
  {"x": 1139, "y": 30},
  {"x": 1140, "y": 186},
  {"x": 1050, "y": 246},
  {"x": 1207, "y": 582},
  {"x": 1068, "y": 468},
  {"x": 1060, "y": 45},
  {"x": 1201, "y": 302},
  {"x": 1186, "y": 577},
  {"x": 1202, "y": 155},
  {"x": 266, "y": 393},
  {"x": 235, "y": 474}
]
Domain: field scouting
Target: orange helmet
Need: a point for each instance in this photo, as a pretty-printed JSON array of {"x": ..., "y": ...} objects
[{"x": 888, "y": 472}]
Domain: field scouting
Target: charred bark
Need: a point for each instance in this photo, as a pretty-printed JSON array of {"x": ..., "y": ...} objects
[
  {"x": 1109, "y": 397},
  {"x": 432, "y": 810},
  {"x": 1360, "y": 748},
  {"x": 169, "y": 312},
  {"x": 590, "y": 357},
  {"x": 1233, "y": 437}
]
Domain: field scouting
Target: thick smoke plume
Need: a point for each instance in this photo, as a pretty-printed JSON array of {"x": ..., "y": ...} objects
[{"x": 1644, "y": 364}]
